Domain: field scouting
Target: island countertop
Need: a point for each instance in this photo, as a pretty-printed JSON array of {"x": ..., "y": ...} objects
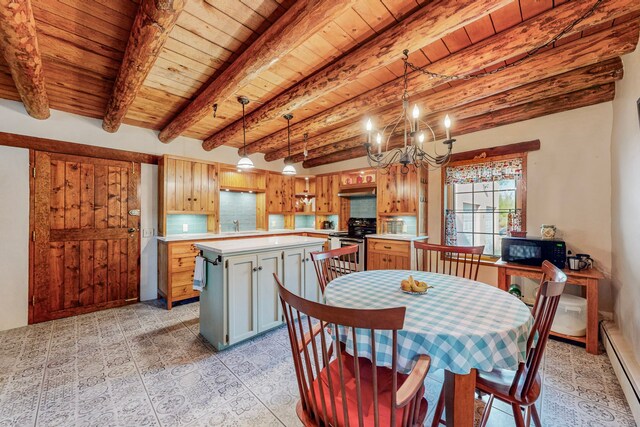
[
  {"x": 234, "y": 247},
  {"x": 236, "y": 234}
]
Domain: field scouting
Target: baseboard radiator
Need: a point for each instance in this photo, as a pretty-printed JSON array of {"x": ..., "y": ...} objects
[{"x": 625, "y": 365}]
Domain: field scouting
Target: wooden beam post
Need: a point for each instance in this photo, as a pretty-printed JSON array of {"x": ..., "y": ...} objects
[
  {"x": 579, "y": 53},
  {"x": 426, "y": 25},
  {"x": 512, "y": 42},
  {"x": 303, "y": 19},
  {"x": 150, "y": 31},
  {"x": 542, "y": 107},
  {"x": 20, "y": 49}
]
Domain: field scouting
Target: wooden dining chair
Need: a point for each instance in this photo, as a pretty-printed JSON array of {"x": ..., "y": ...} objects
[
  {"x": 462, "y": 261},
  {"x": 521, "y": 388},
  {"x": 339, "y": 389},
  {"x": 335, "y": 263}
]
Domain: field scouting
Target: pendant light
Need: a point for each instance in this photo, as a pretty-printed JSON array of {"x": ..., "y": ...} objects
[
  {"x": 244, "y": 162},
  {"x": 288, "y": 164}
]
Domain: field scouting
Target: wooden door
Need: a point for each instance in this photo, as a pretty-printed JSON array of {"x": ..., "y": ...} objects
[
  {"x": 376, "y": 261},
  {"x": 243, "y": 293},
  {"x": 397, "y": 192},
  {"x": 86, "y": 244},
  {"x": 288, "y": 194},
  {"x": 269, "y": 309},
  {"x": 275, "y": 192}
]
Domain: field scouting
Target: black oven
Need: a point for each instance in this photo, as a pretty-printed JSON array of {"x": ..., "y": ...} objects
[{"x": 533, "y": 251}]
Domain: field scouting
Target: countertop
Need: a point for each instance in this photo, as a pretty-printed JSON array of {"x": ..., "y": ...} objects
[
  {"x": 231, "y": 235},
  {"x": 403, "y": 237},
  {"x": 232, "y": 247}
]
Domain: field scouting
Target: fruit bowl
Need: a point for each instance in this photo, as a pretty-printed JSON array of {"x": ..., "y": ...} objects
[{"x": 414, "y": 287}]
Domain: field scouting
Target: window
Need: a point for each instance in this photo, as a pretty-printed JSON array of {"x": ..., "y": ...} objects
[{"x": 483, "y": 200}]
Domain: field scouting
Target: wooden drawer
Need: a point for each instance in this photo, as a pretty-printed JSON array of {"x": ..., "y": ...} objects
[
  {"x": 389, "y": 246},
  {"x": 183, "y": 292},
  {"x": 183, "y": 248},
  {"x": 183, "y": 263},
  {"x": 182, "y": 278}
]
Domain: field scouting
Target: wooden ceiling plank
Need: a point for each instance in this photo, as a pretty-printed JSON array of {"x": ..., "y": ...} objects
[
  {"x": 531, "y": 8},
  {"x": 400, "y": 9},
  {"x": 457, "y": 40},
  {"x": 243, "y": 13},
  {"x": 375, "y": 14},
  {"x": 195, "y": 41},
  {"x": 209, "y": 32},
  {"x": 480, "y": 29},
  {"x": 303, "y": 19},
  {"x": 506, "y": 17},
  {"x": 267, "y": 9},
  {"x": 19, "y": 43},
  {"x": 97, "y": 10},
  {"x": 150, "y": 30},
  {"x": 213, "y": 16},
  {"x": 495, "y": 119},
  {"x": 513, "y": 42},
  {"x": 353, "y": 24},
  {"x": 424, "y": 26},
  {"x": 55, "y": 49},
  {"x": 581, "y": 53}
]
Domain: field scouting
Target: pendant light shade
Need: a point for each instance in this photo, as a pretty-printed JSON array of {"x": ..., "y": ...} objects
[
  {"x": 244, "y": 162},
  {"x": 288, "y": 166}
]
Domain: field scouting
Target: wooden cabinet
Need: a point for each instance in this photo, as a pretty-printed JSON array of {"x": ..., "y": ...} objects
[
  {"x": 176, "y": 263},
  {"x": 403, "y": 194},
  {"x": 327, "y": 200},
  {"x": 187, "y": 187},
  {"x": 383, "y": 254},
  {"x": 280, "y": 193}
]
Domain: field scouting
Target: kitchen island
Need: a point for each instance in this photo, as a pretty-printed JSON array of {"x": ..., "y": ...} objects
[{"x": 240, "y": 299}]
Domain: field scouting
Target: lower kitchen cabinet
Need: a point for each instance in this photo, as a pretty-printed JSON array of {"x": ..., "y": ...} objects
[
  {"x": 383, "y": 254},
  {"x": 241, "y": 299},
  {"x": 176, "y": 263}
]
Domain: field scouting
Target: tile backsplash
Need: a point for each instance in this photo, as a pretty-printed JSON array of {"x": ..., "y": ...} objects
[
  {"x": 240, "y": 206},
  {"x": 305, "y": 221},
  {"x": 276, "y": 222},
  {"x": 196, "y": 223},
  {"x": 363, "y": 207}
]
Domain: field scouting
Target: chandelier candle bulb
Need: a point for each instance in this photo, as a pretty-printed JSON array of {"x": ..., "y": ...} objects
[
  {"x": 379, "y": 141},
  {"x": 447, "y": 125},
  {"x": 416, "y": 115}
]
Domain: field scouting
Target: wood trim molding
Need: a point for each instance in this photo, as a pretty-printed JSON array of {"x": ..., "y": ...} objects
[
  {"x": 503, "y": 150},
  {"x": 63, "y": 147}
]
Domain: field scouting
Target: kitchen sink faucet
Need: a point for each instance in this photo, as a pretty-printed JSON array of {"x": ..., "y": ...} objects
[{"x": 236, "y": 224}]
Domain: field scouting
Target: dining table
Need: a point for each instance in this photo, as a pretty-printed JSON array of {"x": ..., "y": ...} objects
[{"x": 462, "y": 324}]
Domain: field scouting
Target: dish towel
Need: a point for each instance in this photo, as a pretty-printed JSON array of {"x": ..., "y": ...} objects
[{"x": 199, "y": 275}]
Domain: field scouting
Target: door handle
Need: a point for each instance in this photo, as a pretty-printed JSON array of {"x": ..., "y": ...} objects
[
  {"x": 132, "y": 230},
  {"x": 387, "y": 247}
]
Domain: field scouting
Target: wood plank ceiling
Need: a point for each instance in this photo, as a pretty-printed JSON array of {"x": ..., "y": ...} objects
[{"x": 315, "y": 77}]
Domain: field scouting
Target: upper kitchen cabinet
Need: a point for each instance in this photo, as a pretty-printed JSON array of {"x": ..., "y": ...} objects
[
  {"x": 403, "y": 194},
  {"x": 187, "y": 187},
  {"x": 327, "y": 200},
  {"x": 233, "y": 180},
  {"x": 280, "y": 193}
]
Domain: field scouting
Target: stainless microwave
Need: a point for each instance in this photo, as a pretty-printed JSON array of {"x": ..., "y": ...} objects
[{"x": 533, "y": 251}]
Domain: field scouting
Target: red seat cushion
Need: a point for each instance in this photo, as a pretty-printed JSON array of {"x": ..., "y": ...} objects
[{"x": 384, "y": 377}]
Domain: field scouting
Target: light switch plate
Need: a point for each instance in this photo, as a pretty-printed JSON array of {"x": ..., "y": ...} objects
[
  {"x": 147, "y": 232},
  {"x": 185, "y": 228}
]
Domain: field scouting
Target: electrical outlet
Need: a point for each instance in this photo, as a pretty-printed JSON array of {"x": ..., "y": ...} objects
[{"x": 185, "y": 228}]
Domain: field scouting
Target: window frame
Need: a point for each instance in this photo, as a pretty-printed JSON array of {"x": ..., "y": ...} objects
[{"x": 446, "y": 192}]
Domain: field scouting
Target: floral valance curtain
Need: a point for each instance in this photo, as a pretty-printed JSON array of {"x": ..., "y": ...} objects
[{"x": 484, "y": 172}]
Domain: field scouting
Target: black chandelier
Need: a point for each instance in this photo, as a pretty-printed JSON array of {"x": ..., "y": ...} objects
[{"x": 413, "y": 131}]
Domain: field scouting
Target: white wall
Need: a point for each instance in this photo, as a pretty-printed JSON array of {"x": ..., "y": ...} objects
[
  {"x": 14, "y": 229},
  {"x": 14, "y": 193},
  {"x": 625, "y": 202},
  {"x": 568, "y": 181}
]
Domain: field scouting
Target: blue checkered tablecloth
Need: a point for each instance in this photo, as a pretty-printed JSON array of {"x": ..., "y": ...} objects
[{"x": 460, "y": 323}]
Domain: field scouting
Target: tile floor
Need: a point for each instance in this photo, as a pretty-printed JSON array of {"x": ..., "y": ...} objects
[{"x": 145, "y": 366}]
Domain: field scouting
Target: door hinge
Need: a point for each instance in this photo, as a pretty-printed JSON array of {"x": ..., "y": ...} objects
[
  {"x": 33, "y": 172},
  {"x": 226, "y": 264},
  {"x": 226, "y": 338},
  {"x": 282, "y": 255},
  {"x": 33, "y": 236}
]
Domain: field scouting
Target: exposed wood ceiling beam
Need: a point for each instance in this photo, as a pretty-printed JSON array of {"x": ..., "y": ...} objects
[
  {"x": 505, "y": 45},
  {"x": 302, "y": 20},
  {"x": 570, "y": 101},
  {"x": 150, "y": 30},
  {"x": 426, "y": 25},
  {"x": 579, "y": 53},
  {"x": 573, "y": 81},
  {"x": 19, "y": 45}
]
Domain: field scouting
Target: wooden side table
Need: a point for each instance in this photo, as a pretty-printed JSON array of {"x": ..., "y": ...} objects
[{"x": 588, "y": 278}]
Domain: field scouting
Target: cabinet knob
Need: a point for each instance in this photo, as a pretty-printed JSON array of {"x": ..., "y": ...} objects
[
  {"x": 255, "y": 268},
  {"x": 260, "y": 268},
  {"x": 387, "y": 247},
  {"x": 195, "y": 200},
  {"x": 189, "y": 198}
]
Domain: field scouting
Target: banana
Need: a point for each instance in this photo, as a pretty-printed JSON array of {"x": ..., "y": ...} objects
[{"x": 416, "y": 288}]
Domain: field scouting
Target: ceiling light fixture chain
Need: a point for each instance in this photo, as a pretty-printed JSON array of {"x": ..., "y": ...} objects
[{"x": 528, "y": 55}]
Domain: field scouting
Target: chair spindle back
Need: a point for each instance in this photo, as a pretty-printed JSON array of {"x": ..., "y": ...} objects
[
  {"x": 335, "y": 263},
  {"x": 462, "y": 261}
]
